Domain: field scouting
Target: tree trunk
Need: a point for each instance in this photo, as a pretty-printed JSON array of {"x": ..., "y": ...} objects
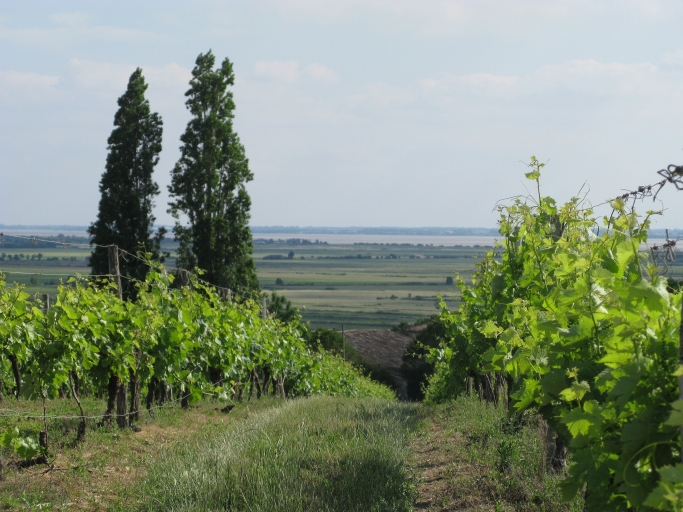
[
  {"x": 510, "y": 382},
  {"x": 281, "y": 385},
  {"x": 555, "y": 449},
  {"x": 185, "y": 399},
  {"x": 151, "y": 392},
  {"x": 80, "y": 436},
  {"x": 42, "y": 441},
  {"x": 489, "y": 393},
  {"x": 215, "y": 375},
  {"x": 257, "y": 383},
  {"x": 112, "y": 391},
  {"x": 560, "y": 458},
  {"x": 266, "y": 380},
  {"x": 251, "y": 387},
  {"x": 76, "y": 384},
  {"x": 134, "y": 397},
  {"x": 122, "y": 406},
  {"x": 164, "y": 393},
  {"x": 468, "y": 385},
  {"x": 17, "y": 375}
]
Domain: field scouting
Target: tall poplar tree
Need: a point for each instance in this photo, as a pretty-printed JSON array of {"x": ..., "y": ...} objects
[
  {"x": 208, "y": 184},
  {"x": 128, "y": 190}
]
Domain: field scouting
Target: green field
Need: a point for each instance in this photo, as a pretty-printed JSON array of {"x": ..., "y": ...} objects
[{"x": 333, "y": 286}]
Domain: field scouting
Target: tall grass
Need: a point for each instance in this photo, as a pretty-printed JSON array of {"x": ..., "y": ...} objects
[{"x": 317, "y": 454}]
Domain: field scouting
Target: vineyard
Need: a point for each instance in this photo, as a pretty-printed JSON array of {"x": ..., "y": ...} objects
[
  {"x": 570, "y": 319},
  {"x": 186, "y": 342}
]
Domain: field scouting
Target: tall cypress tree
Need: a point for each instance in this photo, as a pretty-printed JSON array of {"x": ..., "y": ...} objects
[
  {"x": 125, "y": 211},
  {"x": 208, "y": 184}
]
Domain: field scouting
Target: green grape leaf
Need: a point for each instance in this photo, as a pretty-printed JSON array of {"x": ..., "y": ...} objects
[
  {"x": 533, "y": 175},
  {"x": 490, "y": 329},
  {"x": 576, "y": 391},
  {"x": 578, "y": 422},
  {"x": 672, "y": 474},
  {"x": 676, "y": 416},
  {"x": 8, "y": 436},
  {"x": 526, "y": 395},
  {"x": 554, "y": 381},
  {"x": 26, "y": 447},
  {"x": 668, "y": 495}
]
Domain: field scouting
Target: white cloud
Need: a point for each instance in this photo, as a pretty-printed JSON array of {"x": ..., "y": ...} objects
[
  {"x": 100, "y": 76},
  {"x": 72, "y": 28},
  {"x": 478, "y": 83},
  {"x": 322, "y": 73},
  {"x": 600, "y": 78},
  {"x": 18, "y": 87},
  {"x": 673, "y": 58},
  {"x": 384, "y": 94},
  {"x": 170, "y": 76},
  {"x": 279, "y": 70},
  {"x": 588, "y": 77}
]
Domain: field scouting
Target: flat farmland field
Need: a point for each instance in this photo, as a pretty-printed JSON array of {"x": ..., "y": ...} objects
[{"x": 364, "y": 286}]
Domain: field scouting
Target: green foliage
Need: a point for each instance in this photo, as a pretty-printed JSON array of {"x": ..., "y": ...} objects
[
  {"x": 25, "y": 447},
  {"x": 281, "y": 307},
  {"x": 186, "y": 336},
  {"x": 127, "y": 190},
  {"x": 208, "y": 184},
  {"x": 588, "y": 334}
]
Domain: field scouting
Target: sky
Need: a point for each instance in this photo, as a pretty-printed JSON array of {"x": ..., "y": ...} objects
[{"x": 356, "y": 112}]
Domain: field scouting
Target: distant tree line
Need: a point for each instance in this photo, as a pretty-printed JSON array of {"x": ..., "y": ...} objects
[
  {"x": 45, "y": 242},
  {"x": 288, "y": 241}
]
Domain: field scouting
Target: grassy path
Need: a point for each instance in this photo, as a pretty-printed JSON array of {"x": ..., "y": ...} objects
[{"x": 318, "y": 454}]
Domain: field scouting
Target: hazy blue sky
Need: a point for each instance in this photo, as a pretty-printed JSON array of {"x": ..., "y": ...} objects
[{"x": 367, "y": 113}]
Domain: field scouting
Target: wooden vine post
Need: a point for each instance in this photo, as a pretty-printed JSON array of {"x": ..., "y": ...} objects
[{"x": 121, "y": 395}]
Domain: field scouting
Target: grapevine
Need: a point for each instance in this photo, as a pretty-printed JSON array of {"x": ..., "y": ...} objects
[
  {"x": 580, "y": 327},
  {"x": 187, "y": 338}
]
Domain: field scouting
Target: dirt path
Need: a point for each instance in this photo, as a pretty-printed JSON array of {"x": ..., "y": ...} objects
[
  {"x": 469, "y": 455},
  {"x": 444, "y": 476}
]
